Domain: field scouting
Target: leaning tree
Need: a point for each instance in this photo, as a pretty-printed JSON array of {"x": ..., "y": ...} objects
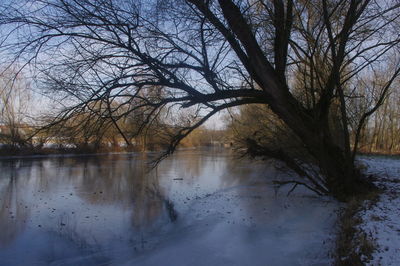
[{"x": 301, "y": 58}]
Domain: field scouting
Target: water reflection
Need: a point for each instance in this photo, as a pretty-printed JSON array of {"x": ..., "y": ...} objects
[
  {"x": 94, "y": 199},
  {"x": 87, "y": 210},
  {"x": 13, "y": 208}
]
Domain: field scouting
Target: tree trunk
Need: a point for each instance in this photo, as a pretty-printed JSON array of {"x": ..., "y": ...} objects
[
  {"x": 336, "y": 165},
  {"x": 342, "y": 178}
]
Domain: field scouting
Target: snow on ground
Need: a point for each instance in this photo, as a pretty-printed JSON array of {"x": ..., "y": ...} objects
[{"x": 382, "y": 221}]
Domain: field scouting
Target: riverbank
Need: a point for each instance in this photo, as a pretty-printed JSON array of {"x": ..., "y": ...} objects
[
  {"x": 50, "y": 152},
  {"x": 379, "y": 154},
  {"x": 44, "y": 151},
  {"x": 369, "y": 227},
  {"x": 381, "y": 221}
]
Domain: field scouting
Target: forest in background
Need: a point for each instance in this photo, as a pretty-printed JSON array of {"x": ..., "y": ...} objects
[{"x": 88, "y": 132}]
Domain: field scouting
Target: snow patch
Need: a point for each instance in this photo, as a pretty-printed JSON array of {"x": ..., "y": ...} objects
[{"x": 382, "y": 221}]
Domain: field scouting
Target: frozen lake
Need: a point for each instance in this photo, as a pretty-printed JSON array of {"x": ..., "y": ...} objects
[{"x": 195, "y": 208}]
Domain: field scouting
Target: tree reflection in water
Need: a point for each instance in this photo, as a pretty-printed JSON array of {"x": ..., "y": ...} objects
[
  {"x": 80, "y": 198},
  {"x": 13, "y": 208},
  {"x": 102, "y": 207}
]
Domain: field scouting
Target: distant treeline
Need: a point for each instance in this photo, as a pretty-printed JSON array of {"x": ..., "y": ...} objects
[
  {"x": 382, "y": 132},
  {"x": 99, "y": 128},
  {"x": 25, "y": 140},
  {"x": 96, "y": 127}
]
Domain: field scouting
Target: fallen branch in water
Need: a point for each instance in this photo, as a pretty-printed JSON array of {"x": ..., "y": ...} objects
[{"x": 296, "y": 183}]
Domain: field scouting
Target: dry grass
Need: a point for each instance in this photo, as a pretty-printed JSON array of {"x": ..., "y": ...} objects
[{"x": 353, "y": 246}]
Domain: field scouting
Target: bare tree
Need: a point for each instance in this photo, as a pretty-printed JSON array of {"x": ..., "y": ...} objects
[
  {"x": 14, "y": 104},
  {"x": 209, "y": 55}
]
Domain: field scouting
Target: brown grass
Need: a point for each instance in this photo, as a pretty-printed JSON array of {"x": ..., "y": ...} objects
[{"x": 353, "y": 245}]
